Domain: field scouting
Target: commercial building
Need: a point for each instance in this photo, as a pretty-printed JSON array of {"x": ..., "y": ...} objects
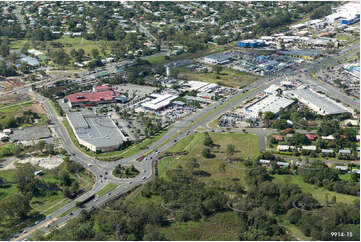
[
  {"x": 203, "y": 87},
  {"x": 160, "y": 101},
  {"x": 304, "y": 54},
  {"x": 272, "y": 90},
  {"x": 267, "y": 104},
  {"x": 251, "y": 43},
  {"x": 100, "y": 95},
  {"x": 218, "y": 58},
  {"x": 95, "y": 132},
  {"x": 317, "y": 102}
]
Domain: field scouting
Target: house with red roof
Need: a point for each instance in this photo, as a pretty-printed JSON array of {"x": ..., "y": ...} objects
[
  {"x": 278, "y": 137},
  {"x": 311, "y": 137}
]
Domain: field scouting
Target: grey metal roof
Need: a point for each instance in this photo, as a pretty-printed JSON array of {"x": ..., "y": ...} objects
[
  {"x": 221, "y": 57},
  {"x": 299, "y": 52},
  {"x": 30, "y": 60},
  {"x": 97, "y": 130},
  {"x": 323, "y": 103}
]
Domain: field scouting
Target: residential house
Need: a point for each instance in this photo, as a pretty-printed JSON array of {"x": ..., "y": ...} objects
[
  {"x": 277, "y": 137},
  {"x": 309, "y": 147},
  {"x": 311, "y": 137},
  {"x": 342, "y": 169}
]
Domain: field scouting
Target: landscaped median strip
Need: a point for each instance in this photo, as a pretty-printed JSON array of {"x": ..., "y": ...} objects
[
  {"x": 68, "y": 211},
  {"x": 109, "y": 187}
]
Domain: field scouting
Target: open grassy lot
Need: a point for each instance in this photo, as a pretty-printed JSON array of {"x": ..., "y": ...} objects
[
  {"x": 69, "y": 44},
  {"x": 78, "y": 43},
  {"x": 246, "y": 146},
  {"x": 156, "y": 59},
  {"x": 15, "y": 108},
  {"x": 318, "y": 193},
  {"x": 227, "y": 77},
  {"x": 220, "y": 227},
  {"x": 109, "y": 187},
  {"x": 6, "y": 150}
]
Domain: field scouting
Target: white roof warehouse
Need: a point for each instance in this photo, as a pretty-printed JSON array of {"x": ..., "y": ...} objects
[
  {"x": 268, "y": 104},
  {"x": 318, "y": 103},
  {"x": 96, "y": 132}
]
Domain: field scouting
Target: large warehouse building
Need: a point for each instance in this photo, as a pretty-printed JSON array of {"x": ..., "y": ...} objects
[
  {"x": 317, "y": 102},
  {"x": 267, "y": 104},
  {"x": 95, "y": 132}
]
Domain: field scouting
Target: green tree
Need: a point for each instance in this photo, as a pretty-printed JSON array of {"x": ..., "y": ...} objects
[
  {"x": 15, "y": 206},
  {"x": 208, "y": 141},
  {"x": 24, "y": 178},
  {"x": 64, "y": 178},
  {"x": 294, "y": 215},
  {"x": 95, "y": 53},
  {"x": 206, "y": 153},
  {"x": 60, "y": 57},
  {"x": 230, "y": 150},
  {"x": 217, "y": 68}
]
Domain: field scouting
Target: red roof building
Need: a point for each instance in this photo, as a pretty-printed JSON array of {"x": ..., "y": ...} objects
[
  {"x": 102, "y": 88},
  {"x": 278, "y": 137},
  {"x": 311, "y": 137},
  {"x": 90, "y": 98}
]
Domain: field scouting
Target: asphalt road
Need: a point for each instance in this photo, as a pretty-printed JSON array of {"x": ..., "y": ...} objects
[{"x": 145, "y": 167}]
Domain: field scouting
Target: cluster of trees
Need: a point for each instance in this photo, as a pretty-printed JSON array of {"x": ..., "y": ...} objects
[
  {"x": 40, "y": 34},
  {"x": 60, "y": 57},
  {"x": 320, "y": 224},
  {"x": 185, "y": 197},
  {"x": 320, "y": 175},
  {"x": 27, "y": 117},
  {"x": 151, "y": 127},
  {"x": 122, "y": 172},
  {"x": 29, "y": 186},
  {"x": 7, "y": 70}
]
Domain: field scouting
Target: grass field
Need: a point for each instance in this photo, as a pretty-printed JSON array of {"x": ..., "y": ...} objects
[
  {"x": 15, "y": 108},
  {"x": 69, "y": 44},
  {"x": 156, "y": 59},
  {"x": 246, "y": 146},
  {"x": 220, "y": 227},
  {"x": 109, "y": 187},
  {"x": 317, "y": 192},
  {"x": 227, "y": 77},
  {"x": 6, "y": 150}
]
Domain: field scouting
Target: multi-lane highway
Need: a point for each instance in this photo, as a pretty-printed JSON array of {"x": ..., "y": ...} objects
[{"x": 103, "y": 170}]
